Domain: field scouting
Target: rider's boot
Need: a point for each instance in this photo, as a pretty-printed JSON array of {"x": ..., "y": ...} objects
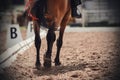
[{"x": 74, "y": 4}]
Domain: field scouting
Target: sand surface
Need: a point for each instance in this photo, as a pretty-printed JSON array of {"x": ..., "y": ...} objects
[{"x": 84, "y": 56}]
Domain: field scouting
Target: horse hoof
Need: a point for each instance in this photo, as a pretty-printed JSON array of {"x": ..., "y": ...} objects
[
  {"x": 38, "y": 66},
  {"x": 47, "y": 63},
  {"x": 57, "y": 63}
]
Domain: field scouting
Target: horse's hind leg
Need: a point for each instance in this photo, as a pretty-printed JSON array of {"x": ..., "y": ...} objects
[
  {"x": 37, "y": 43},
  {"x": 50, "y": 40}
]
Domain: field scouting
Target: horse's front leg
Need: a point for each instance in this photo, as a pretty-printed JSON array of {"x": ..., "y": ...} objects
[
  {"x": 60, "y": 39},
  {"x": 59, "y": 45},
  {"x": 50, "y": 40},
  {"x": 37, "y": 44}
]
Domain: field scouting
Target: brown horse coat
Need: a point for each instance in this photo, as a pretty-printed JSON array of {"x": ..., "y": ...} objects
[
  {"x": 57, "y": 15},
  {"x": 58, "y": 12}
]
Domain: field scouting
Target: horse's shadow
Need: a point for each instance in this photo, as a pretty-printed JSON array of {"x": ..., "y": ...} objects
[{"x": 54, "y": 70}]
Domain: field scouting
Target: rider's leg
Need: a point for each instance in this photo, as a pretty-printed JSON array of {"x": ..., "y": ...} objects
[
  {"x": 74, "y": 4},
  {"x": 38, "y": 10}
]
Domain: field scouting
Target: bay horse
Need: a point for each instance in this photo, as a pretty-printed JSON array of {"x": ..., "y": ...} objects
[{"x": 58, "y": 15}]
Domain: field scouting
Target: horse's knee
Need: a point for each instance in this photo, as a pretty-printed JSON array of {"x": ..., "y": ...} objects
[
  {"x": 37, "y": 41},
  {"x": 51, "y": 36}
]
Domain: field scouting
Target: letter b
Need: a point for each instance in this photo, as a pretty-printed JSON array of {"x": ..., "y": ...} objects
[{"x": 13, "y": 33}]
